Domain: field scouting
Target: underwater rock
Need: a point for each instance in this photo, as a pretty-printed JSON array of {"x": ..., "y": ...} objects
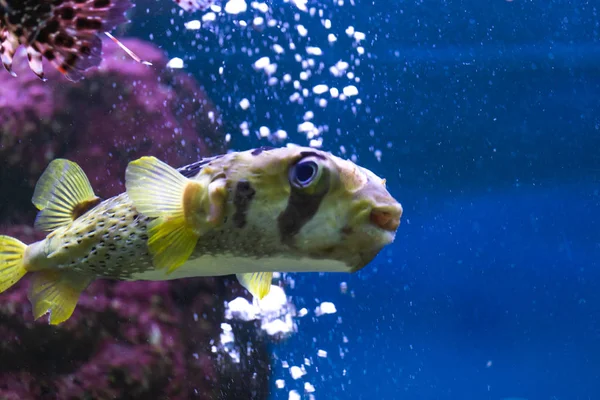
[{"x": 125, "y": 340}]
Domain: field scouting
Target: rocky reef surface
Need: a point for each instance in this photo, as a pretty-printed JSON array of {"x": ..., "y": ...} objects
[{"x": 126, "y": 340}]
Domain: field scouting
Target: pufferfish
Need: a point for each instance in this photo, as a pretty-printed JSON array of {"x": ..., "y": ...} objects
[
  {"x": 65, "y": 32},
  {"x": 251, "y": 213}
]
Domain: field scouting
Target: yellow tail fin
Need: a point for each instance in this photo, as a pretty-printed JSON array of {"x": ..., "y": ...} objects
[{"x": 11, "y": 261}]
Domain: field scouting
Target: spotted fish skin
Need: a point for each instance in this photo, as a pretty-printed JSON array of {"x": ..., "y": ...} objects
[
  {"x": 108, "y": 241},
  {"x": 64, "y": 32},
  {"x": 251, "y": 213}
]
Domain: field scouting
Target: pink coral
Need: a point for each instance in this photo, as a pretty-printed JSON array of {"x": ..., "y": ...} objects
[{"x": 27, "y": 107}]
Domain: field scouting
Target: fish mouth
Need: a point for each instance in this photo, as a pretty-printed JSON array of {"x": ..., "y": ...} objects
[
  {"x": 387, "y": 217},
  {"x": 373, "y": 228}
]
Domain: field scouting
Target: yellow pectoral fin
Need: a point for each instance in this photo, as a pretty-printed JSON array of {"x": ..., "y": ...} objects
[
  {"x": 158, "y": 190},
  {"x": 184, "y": 209},
  {"x": 257, "y": 283},
  {"x": 171, "y": 243},
  {"x": 57, "y": 293},
  {"x": 62, "y": 194}
]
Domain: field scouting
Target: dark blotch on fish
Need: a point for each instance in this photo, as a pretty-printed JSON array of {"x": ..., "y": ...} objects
[
  {"x": 244, "y": 192},
  {"x": 347, "y": 230},
  {"x": 259, "y": 150},
  {"x": 84, "y": 207},
  {"x": 300, "y": 209},
  {"x": 192, "y": 170}
]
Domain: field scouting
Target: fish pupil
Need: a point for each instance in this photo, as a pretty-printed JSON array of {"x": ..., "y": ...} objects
[{"x": 305, "y": 172}]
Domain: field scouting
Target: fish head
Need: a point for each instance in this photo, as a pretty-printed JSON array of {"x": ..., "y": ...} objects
[{"x": 312, "y": 205}]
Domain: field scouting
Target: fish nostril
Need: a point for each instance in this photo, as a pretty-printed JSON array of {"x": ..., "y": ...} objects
[{"x": 386, "y": 220}]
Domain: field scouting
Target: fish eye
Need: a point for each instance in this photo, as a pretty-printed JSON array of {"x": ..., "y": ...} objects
[{"x": 304, "y": 173}]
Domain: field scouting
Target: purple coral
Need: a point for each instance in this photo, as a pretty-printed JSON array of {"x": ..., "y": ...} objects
[{"x": 27, "y": 107}]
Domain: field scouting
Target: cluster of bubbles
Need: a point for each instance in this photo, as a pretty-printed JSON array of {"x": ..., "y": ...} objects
[
  {"x": 296, "y": 59},
  {"x": 298, "y": 374}
]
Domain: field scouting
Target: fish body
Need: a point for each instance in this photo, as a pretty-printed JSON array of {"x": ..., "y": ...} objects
[
  {"x": 64, "y": 32},
  {"x": 250, "y": 213}
]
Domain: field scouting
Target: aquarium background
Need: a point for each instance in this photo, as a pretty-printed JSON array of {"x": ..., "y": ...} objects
[
  {"x": 484, "y": 117},
  {"x": 486, "y": 114}
]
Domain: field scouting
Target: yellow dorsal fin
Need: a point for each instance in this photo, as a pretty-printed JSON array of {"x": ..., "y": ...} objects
[
  {"x": 159, "y": 191},
  {"x": 57, "y": 293},
  {"x": 257, "y": 283},
  {"x": 62, "y": 194}
]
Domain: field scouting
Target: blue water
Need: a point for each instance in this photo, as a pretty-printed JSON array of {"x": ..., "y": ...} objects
[
  {"x": 488, "y": 117},
  {"x": 506, "y": 277},
  {"x": 491, "y": 288}
]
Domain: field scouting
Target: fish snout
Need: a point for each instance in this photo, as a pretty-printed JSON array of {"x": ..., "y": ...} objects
[{"x": 386, "y": 217}]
